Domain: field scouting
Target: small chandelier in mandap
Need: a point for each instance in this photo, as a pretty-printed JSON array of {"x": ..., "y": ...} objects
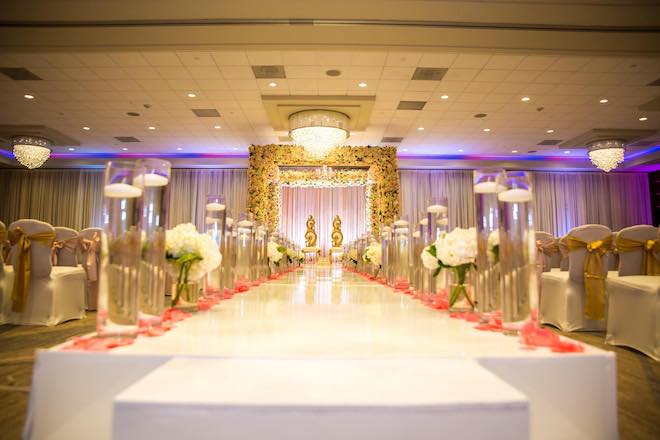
[
  {"x": 31, "y": 151},
  {"x": 318, "y": 131},
  {"x": 606, "y": 154}
]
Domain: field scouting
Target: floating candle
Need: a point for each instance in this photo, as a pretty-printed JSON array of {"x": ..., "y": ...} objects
[
  {"x": 417, "y": 234},
  {"x": 516, "y": 195},
  {"x": 229, "y": 221},
  {"x": 386, "y": 229},
  {"x": 121, "y": 190},
  {"x": 213, "y": 206},
  {"x": 401, "y": 222},
  {"x": 443, "y": 221},
  {"x": 424, "y": 222},
  {"x": 488, "y": 188},
  {"x": 245, "y": 224},
  {"x": 150, "y": 179},
  {"x": 401, "y": 231},
  {"x": 436, "y": 209}
]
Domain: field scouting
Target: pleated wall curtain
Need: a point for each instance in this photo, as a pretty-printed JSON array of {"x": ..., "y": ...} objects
[
  {"x": 298, "y": 203},
  {"x": 563, "y": 200},
  {"x": 72, "y": 197}
]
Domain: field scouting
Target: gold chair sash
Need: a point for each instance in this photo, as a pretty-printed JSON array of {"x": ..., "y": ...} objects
[
  {"x": 3, "y": 243},
  {"x": 23, "y": 266},
  {"x": 92, "y": 248},
  {"x": 70, "y": 244},
  {"x": 651, "y": 252},
  {"x": 594, "y": 280}
]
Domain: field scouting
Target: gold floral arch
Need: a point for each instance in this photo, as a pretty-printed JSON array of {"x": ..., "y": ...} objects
[{"x": 265, "y": 178}]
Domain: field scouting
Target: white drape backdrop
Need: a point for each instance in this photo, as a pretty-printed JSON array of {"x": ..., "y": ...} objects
[
  {"x": 72, "y": 197},
  {"x": 298, "y": 203},
  {"x": 563, "y": 200}
]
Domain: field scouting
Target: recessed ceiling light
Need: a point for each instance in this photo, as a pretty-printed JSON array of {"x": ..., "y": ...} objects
[
  {"x": 550, "y": 131},
  {"x": 420, "y": 128},
  {"x": 567, "y": 152},
  {"x": 217, "y": 127},
  {"x": 179, "y": 149},
  {"x": 124, "y": 149},
  {"x": 362, "y": 84},
  {"x": 643, "y": 118},
  {"x": 71, "y": 149},
  {"x": 272, "y": 84},
  {"x": 604, "y": 101},
  {"x": 151, "y": 127},
  {"x": 404, "y": 149},
  {"x": 28, "y": 96},
  {"x": 234, "y": 148},
  {"x": 460, "y": 150},
  {"x": 514, "y": 151},
  {"x": 486, "y": 129},
  {"x": 191, "y": 95},
  {"x": 444, "y": 97},
  {"x": 525, "y": 98},
  {"x": 86, "y": 128}
]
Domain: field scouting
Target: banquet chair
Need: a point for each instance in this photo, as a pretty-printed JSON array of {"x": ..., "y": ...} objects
[
  {"x": 634, "y": 295},
  {"x": 4, "y": 296},
  {"x": 576, "y": 299},
  {"x": 547, "y": 249},
  {"x": 41, "y": 295},
  {"x": 90, "y": 248},
  {"x": 65, "y": 247},
  {"x": 563, "y": 254},
  {"x": 613, "y": 260}
]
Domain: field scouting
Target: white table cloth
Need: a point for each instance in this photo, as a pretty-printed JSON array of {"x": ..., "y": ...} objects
[{"x": 326, "y": 314}]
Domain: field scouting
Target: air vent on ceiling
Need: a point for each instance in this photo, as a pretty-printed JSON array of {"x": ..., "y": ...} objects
[
  {"x": 206, "y": 112},
  {"x": 654, "y": 83},
  {"x": 549, "y": 142},
  {"x": 644, "y": 143},
  {"x": 429, "y": 73},
  {"x": 19, "y": 74},
  {"x": 391, "y": 140},
  {"x": 652, "y": 105},
  {"x": 411, "y": 105},
  {"x": 284, "y": 138},
  {"x": 269, "y": 71},
  {"x": 127, "y": 139}
]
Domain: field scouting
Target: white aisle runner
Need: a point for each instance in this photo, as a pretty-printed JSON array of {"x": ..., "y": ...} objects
[{"x": 324, "y": 316}]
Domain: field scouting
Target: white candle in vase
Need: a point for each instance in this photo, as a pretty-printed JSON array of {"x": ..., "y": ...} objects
[
  {"x": 436, "y": 209},
  {"x": 121, "y": 191},
  {"x": 214, "y": 206},
  {"x": 150, "y": 179},
  {"x": 515, "y": 195},
  {"x": 488, "y": 188}
]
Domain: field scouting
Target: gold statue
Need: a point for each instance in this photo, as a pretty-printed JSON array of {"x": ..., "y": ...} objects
[
  {"x": 337, "y": 236},
  {"x": 310, "y": 235}
]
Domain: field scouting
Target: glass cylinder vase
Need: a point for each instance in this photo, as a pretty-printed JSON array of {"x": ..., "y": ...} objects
[
  {"x": 401, "y": 240},
  {"x": 437, "y": 224},
  {"x": 216, "y": 214},
  {"x": 154, "y": 222},
  {"x": 244, "y": 251},
  {"x": 229, "y": 256},
  {"x": 120, "y": 258},
  {"x": 517, "y": 250},
  {"x": 487, "y": 285}
]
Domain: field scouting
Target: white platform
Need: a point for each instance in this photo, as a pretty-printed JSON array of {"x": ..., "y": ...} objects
[
  {"x": 324, "y": 313},
  {"x": 321, "y": 400}
]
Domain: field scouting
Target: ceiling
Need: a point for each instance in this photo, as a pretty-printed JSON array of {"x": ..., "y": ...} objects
[{"x": 86, "y": 91}]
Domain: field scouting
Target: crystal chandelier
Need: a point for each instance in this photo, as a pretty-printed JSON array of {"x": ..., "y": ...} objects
[
  {"x": 606, "y": 154},
  {"x": 31, "y": 151},
  {"x": 318, "y": 131}
]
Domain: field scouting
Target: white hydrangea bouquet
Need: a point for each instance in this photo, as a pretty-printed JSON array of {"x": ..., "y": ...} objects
[
  {"x": 353, "y": 256},
  {"x": 291, "y": 255},
  {"x": 275, "y": 252},
  {"x": 373, "y": 255},
  {"x": 494, "y": 246},
  {"x": 430, "y": 257},
  {"x": 190, "y": 255}
]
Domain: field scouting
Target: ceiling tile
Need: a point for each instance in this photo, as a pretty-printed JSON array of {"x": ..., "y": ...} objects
[
  {"x": 401, "y": 59},
  {"x": 91, "y": 59},
  {"x": 422, "y": 86},
  {"x": 162, "y": 58},
  {"x": 297, "y": 58},
  {"x": 141, "y": 72},
  {"x": 59, "y": 59},
  {"x": 212, "y": 84},
  {"x": 340, "y": 85},
  {"x": 242, "y": 84},
  {"x": 230, "y": 58},
  {"x": 492, "y": 75},
  {"x": 432, "y": 59},
  {"x": 265, "y": 58},
  {"x": 153, "y": 84},
  {"x": 368, "y": 58},
  {"x": 523, "y": 76},
  {"x": 182, "y": 84},
  {"x": 128, "y": 59},
  {"x": 79, "y": 73},
  {"x": 364, "y": 72},
  {"x": 237, "y": 72},
  {"x": 398, "y": 73},
  {"x": 334, "y": 59},
  {"x": 179, "y": 72},
  {"x": 195, "y": 58},
  {"x": 470, "y": 61},
  {"x": 534, "y": 62},
  {"x": 392, "y": 84},
  {"x": 460, "y": 74},
  {"x": 569, "y": 64},
  {"x": 302, "y": 71},
  {"x": 205, "y": 72},
  {"x": 504, "y": 62}
]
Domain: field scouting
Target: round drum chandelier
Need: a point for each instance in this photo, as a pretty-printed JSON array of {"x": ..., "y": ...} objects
[
  {"x": 318, "y": 131},
  {"x": 606, "y": 154},
  {"x": 31, "y": 151}
]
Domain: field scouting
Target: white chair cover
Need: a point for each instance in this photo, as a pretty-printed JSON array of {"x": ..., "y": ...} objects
[
  {"x": 65, "y": 247},
  {"x": 613, "y": 261},
  {"x": 90, "y": 246},
  {"x": 545, "y": 244},
  {"x": 634, "y": 299},
  {"x": 563, "y": 252},
  {"x": 55, "y": 294},
  {"x": 562, "y": 302}
]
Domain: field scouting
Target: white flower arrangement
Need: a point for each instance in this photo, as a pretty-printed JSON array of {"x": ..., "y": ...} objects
[
  {"x": 275, "y": 253},
  {"x": 458, "y": 250},
  {"x": 291, "y": 255},
  {"x": 430, "y": 258},
  {"x": 494, "y": 246},
  {"x": 353, "y": 255},
  {"x": 190, "y": 255},
  {"x": 373, "y": 254}
]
